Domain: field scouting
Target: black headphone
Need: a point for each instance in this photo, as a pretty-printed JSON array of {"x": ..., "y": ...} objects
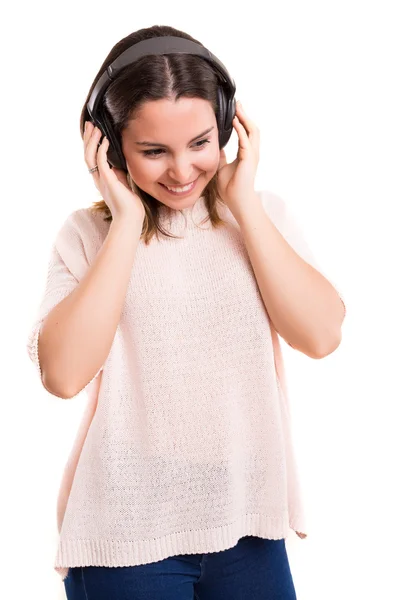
[{"x": 160, "y": 45}]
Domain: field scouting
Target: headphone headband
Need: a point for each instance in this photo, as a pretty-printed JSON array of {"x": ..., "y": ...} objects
[{"x": 161, "y": 45}]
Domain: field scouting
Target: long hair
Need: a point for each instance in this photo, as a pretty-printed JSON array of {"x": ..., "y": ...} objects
[{"x": 155, "y": 77}]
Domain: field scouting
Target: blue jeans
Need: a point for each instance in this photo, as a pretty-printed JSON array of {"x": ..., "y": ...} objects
[{"x": 254, "y": 569}]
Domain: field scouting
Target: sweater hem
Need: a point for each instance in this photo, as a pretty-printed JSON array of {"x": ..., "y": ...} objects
[{"x": 117, "y": 553}]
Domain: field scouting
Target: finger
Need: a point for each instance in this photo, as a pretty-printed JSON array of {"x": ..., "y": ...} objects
[
  {"x": 87, "y": 132},
  {"x": 252, "y": 136},
  {"x": 87, "y": 129},
  {"x": 248, "y": 124},
  {"x": 91, "y": 134},
  {"x": 90, "y": 151},
  {"x": 244, "y": 142},
  {"x": 104, "y": 169},
  {"x": 240, "y": 115}
]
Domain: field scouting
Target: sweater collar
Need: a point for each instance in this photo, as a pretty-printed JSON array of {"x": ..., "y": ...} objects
[{"x": 192, "y": 216}]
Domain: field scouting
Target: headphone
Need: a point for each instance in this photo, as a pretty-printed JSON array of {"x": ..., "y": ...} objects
[{"x": 226, "y": 105}]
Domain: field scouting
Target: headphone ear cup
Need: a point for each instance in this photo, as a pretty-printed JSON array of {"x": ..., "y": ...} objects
[
  {"x": 115, "y": 155},
  {"x": 229, "y": 115},
  {"x": 221, "y": 116},
  {"x": 226, "y": 112}
]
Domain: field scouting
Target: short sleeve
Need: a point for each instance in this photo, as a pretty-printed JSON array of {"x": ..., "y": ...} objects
[
  {"x": 287, "y": 224},
  {"x": 66, "y": 267}
]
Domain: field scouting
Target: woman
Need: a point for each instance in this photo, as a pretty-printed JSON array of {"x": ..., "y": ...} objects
[{"x": 163, "y": 301}]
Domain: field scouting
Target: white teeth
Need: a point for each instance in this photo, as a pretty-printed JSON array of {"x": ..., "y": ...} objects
[{"x": 180, "y": 189}]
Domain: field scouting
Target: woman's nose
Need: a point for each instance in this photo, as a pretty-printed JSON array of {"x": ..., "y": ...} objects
[{"x": 182, "y": 173}]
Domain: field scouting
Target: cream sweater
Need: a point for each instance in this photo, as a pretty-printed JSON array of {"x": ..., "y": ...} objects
[{"x": 185, "y": 444}]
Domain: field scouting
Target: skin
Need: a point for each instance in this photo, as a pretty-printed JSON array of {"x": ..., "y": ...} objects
[{"x": 174, "y": 124}]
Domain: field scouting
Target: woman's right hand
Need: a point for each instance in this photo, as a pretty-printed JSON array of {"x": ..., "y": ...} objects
[{"x": 112, "y": 183}]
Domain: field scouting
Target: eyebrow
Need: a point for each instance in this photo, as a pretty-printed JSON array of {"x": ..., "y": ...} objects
[{"x": 164, "y": 146}]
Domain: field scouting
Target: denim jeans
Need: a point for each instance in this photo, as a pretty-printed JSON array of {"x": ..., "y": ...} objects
[{"x": 254, "y": 569}]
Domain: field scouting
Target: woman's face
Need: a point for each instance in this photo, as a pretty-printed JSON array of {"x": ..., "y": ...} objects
[{"x": 172, "y": 143}]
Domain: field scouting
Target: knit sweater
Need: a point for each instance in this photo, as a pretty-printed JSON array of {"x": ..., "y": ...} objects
[{"x": 185, "y": 445}]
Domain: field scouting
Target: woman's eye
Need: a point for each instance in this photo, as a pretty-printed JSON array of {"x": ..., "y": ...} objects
[{"x": 155, "y": 152}]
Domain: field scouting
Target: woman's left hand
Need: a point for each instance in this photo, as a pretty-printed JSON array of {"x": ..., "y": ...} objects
[{"x": 236, "y": 180}]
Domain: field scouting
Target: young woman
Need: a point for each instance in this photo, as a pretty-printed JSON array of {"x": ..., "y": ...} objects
[{"x": 164, "y": 302}]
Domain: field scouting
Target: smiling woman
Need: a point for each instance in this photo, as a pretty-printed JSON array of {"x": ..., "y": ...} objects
[
  {"x": 178, "y": 161},
  {"x": 168, "y": 125},
  {"x": 187, "y": 447}
]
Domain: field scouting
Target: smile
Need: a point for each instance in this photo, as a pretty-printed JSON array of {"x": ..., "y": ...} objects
[{"x": 180, "y": 190}]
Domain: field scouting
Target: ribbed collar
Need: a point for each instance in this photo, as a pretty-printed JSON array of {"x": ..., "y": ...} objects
[{"x": 191, "y": 217}]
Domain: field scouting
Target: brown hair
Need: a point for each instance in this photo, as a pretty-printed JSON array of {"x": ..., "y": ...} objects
[{"x": 153, "y": 78}]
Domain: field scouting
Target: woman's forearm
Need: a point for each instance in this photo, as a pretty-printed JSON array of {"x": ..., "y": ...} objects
[
  {"x": 76, "y": 336},
  {"x": 303, "y": 305}
]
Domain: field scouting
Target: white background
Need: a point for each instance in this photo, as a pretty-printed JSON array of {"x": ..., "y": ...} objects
[{"x": 321, "y": 81}]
